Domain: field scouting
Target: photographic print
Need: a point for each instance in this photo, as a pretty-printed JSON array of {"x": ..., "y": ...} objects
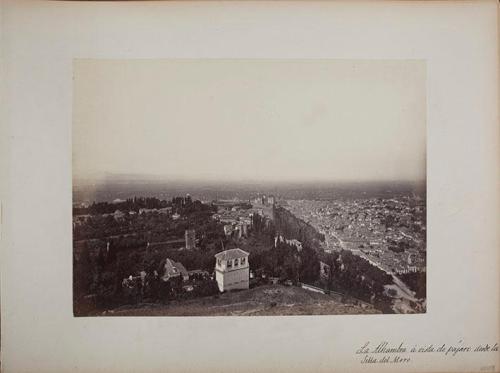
[{"x": 250, "y": 187}]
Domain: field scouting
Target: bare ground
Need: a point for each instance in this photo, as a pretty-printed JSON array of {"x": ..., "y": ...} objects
[{"x": 269, "y": 300}]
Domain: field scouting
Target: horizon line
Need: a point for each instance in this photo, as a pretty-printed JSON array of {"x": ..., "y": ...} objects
[{"x": 109, "y": 179}]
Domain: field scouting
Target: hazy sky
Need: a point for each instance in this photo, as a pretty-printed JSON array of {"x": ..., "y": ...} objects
[{"x": 258, "y": 120}]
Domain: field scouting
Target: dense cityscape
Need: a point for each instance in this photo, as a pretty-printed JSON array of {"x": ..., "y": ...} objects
[{"x": 388, "y": 232}]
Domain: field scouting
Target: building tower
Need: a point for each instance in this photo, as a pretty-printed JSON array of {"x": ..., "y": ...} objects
[
  {"x": 190, "y": 238},
  {"x": 232, "y": 270}
]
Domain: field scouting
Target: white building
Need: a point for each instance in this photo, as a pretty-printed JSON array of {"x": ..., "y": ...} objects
[
  {"x": 232, "y": 270},
  {"x": 228, "y": 229}
]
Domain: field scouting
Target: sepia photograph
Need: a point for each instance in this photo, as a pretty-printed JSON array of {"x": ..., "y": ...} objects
[
  {"x": 277, "y": 186},
  {"x": 249, "y": 187}
]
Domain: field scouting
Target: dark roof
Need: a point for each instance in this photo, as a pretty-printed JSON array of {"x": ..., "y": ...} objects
[
  {"x": 174, "y": 268},
  {"x": 231, "y": 254},
  {"x": 181, "y": 268}
]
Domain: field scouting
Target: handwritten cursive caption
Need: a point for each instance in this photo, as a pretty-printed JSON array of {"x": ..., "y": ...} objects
[{"x": 402, "y": 353}]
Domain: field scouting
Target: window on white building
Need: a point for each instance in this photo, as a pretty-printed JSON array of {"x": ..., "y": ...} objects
[
  {"x": 243, "y": 260},
  {"x": 229, "y": 263},
  {"x": 236, "y": 262}
]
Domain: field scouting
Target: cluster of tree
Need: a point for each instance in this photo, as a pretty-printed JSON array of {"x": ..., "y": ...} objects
[
  {"x": 416, "y": 228},
  {"x": 99, "y": 268},
  {"x": 389, "y": 221},
  {"x": 244, "y": 205},
  {"x": 179, "y": 204},
  {"x": 355, "y": 276},
  {"x": 292, "y": 227},
  {"x": 186, "y": 205},
  {"x": 399, "y": 246},
  {"x": 287, "y": 263},
  {"x": 230, "y": 205},
  {"x": 100, "y": 226},
  {"x": 99, "y": 272},
  {"x": 396, "y": 248},
  {"x": 416, "y": 282},
  {"x": 264, "y": 228},
  {"x": 155, "y": 289},
  {"x": 210, "y": 235},
  {"x": 130, "y": 204},
  {"x": 152, "y": 226},
  {"x": 211, "y": 240}
]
